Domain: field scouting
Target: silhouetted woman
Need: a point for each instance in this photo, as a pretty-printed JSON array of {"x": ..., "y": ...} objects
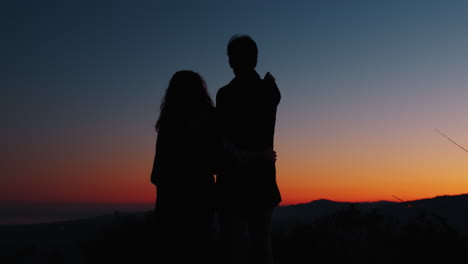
[{"x": 183, "y": 170}]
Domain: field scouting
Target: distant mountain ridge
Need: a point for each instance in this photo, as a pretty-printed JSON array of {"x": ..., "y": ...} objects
[
  {"x": 285, "y": 216},
  {"x": 452, "y": 208},
  {"x": 308, "y": 211},
  {"x": 326, "y": 227}
]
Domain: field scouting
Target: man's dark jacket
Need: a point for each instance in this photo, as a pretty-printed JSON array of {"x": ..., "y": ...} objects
[{"x": 246, "y": 112}]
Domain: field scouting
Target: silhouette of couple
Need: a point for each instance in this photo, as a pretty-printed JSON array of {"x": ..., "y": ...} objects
[{"x": 233, "y": 141}]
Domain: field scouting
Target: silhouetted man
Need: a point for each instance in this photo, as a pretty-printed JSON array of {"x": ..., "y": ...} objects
[{"x": 246, "y": 110}]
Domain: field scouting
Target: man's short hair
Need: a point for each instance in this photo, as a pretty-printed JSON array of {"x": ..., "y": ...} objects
[{"x": 242, "y": 51}]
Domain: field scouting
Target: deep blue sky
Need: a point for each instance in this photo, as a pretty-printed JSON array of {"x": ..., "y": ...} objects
[{"x": 367, "y": 79}]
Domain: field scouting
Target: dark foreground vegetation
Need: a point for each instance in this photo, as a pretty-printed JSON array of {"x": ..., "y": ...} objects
[
  {"x": 352, "y": 236},
  {"x": 347, "y": 236}
]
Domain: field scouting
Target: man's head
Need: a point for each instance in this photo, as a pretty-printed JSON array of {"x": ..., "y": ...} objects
[{"x": 242, "y": 52}]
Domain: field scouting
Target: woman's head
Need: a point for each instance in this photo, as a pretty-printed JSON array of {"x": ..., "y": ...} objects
[{"x": 185, "y": 95}]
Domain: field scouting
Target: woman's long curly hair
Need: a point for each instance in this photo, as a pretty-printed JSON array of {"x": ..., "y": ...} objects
[{"x": 185, "y": 96}]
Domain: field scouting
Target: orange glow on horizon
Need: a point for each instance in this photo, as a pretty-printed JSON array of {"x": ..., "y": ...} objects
[{"x": 355, "y": 160}]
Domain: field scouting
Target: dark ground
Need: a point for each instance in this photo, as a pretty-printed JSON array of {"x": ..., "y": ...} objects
[{"x": 394, "y": 233}]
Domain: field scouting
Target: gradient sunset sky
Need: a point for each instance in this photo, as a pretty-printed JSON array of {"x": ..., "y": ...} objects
[{"x": 363, "y": 83}]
